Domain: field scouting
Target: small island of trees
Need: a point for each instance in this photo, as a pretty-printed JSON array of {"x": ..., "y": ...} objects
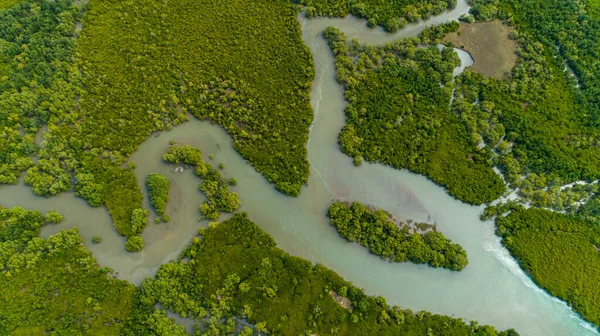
[
  {"x": 392, "y": 241},
  {"x": 158, "y": 191}
]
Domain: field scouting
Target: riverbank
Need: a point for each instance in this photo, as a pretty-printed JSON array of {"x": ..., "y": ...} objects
[{"x": 492, "y": 290}]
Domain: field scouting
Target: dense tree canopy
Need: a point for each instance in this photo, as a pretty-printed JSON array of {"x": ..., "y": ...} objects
[
  {"x": 231, "y": 277},
  {"x": 539, "y": 120},
  {"x": 216, "y": 189},
  {"x": 234, "y": 272},
  {"x": 398, "y": 242},
  {"x": 158, "y": 191},
  {"x": 391, "y": 15},
  {"x": 542, "y": 122},
  {"x": 54, "y": 286},
  {"x": 7, "y": 3},
  {"x": 140, "y": 67},
  {"x": 36, "y": 47},
  {"x": 560, "y": 252},
  {"x": 398, "y": 114}
]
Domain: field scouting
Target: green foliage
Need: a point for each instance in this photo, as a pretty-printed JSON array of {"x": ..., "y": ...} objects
[
  {"x": 134, "y": 244},
  {"x": 391, "y": 15},
  {"x": 17, "y": 227},
  {"x": 150, "y": 321},
  {"x": 560, "y": 252},
  {"x": 263, "y": 102},
  {"x": 394, "y": 241},
  {"x": 232, "y": 182},
  {"x": 104, "y": 97},
  {"x": 54, "y": 217},
  {"x": 573, "y": 27},
  {"x": 236, "y": 272},
  {"x": 36, "y": 48},
  {"x": 216, "y": 189},
  {"x": 183, "y": 154},
  {"x": 434, "y": 33},
  {"x": 218, "y": 194},
  {"x": 96, "y": 239},
  {"x": 7, "y": 3},
  {"x": 54, "y": 285},
  {"x": 540, "y": 120},
  {"x": 158, "y": 191},
  {"x": 398, "y": 97},
  {"x": 484, "y": 10},
  {"x": 172, "y": 64},
  {"x": 139, "y": 220}
]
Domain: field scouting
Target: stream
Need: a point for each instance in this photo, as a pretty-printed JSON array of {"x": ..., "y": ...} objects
[{"x": 492, "y": 289}]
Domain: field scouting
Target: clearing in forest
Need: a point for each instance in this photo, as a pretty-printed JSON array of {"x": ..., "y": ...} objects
[{"x": 489, "y": 45}]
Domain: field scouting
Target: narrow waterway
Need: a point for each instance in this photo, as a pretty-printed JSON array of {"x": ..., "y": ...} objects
[{"x": 492, "y": 289}]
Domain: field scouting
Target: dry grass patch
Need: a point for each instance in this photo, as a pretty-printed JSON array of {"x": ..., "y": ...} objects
[{"x": 489, "y": 45}]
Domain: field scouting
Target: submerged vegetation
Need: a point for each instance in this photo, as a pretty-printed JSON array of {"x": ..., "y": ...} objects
[
  {"x": 375, "y": 230},
  {"x": 158, "y": 191},
  {"x": 398, "y": 114}
]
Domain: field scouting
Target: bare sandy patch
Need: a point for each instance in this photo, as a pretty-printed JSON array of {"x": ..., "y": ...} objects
[
  {"x": 341, "y": 300},
  {"x": 489, "y": 45}
]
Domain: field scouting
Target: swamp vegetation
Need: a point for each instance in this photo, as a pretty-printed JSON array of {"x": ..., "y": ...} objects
[
  {"x": 145, "y": 67},
  {"x": 398, "y": 114},
  {"x": 375, "y": 230},
  {"x": 536, "y": 122},
  {"x": 99, "y": 78},
  {"x": 158, "y": 190},
  {"x": 231, "y": 275},
  {"x": 215, "y": 188},
  {"x": 391, "y": 15},
  {"x": 560, "y": 252}
]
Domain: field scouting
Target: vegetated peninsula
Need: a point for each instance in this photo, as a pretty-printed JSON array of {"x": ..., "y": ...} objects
[
  {"x": 391, "y": 15},
  {"x": 399, "y": 114},
  {"x": 231, "y": 278},
  {"x": 374, "y": 229},
  {"x": 54, "y": 285},
  {"x": 547, "y": 110},
  {"x": 102, "y": 76},
  {"x": 560, "y": 252},
  {"x": 103, "y": 89},
  {"x": 533, "y": 116}
]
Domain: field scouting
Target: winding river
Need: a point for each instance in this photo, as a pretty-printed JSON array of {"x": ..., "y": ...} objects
[{"x": 492, "y": 289}]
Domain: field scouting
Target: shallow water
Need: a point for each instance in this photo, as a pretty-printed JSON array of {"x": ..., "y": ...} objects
[{"x": 492, "y": 289}]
